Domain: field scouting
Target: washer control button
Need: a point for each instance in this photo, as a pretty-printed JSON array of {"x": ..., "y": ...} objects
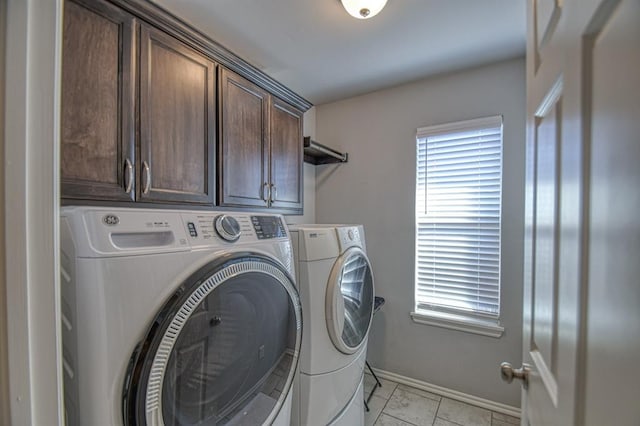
[
  {"x": 227, "y": 227},
  {"x": 192, "y": 229}
]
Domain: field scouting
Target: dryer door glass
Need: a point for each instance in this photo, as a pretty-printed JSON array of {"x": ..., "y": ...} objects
[
  {"x": 349, "y": 301},
  {"x": 224, "y": 351}
]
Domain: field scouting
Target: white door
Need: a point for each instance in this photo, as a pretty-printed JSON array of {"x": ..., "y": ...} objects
[
  {"x": 222, "y": 350},
  {"x": 349, "y": 301},
  {"x": 582, "y": 270}
]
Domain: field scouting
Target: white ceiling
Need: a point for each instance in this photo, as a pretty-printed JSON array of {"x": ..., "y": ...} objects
[{"x": 320, "y": 52}]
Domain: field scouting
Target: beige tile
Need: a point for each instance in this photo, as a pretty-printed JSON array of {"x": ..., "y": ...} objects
[
  {"x": 499, "y": 419},
  {"x": 463, "y": 414},
  {"x": 385, "y": 420},
  {"x": 411, "y": 408},
  {"x": 440, "y": 422},
  {"x": 384, "y": 392},
  {"x": 421, "y": 392},
  {"x": 500, "y": 423},
  {"x": 375, "y": 408}
]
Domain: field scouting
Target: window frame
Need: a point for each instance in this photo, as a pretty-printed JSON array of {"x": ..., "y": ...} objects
[{"x": 449, "y": 317}]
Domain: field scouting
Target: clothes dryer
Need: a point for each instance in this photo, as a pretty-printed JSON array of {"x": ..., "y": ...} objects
[
  {"x": 336, "y": 288},
  {"x": 177, "y": 317}
]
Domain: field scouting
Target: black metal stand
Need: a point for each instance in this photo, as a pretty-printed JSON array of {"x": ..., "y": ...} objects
[
  {"x": 376, "y": 385},
  {"x": 377, "y": 304}
]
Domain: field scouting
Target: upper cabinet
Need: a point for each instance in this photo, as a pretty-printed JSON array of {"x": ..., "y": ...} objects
[
  {"x": 260, "y": 149},
  {"x": 97, "y": 119},
  {"x": 243, "y": 166},
  {"x": 149, "y": 116},
  {"x": 177, "y": 121},
  {"x": 286, "y": 155},
  {"x": 176, "y": 142}
]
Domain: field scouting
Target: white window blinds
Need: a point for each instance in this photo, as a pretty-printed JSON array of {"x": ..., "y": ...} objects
[{"x": 458, "y": 204}]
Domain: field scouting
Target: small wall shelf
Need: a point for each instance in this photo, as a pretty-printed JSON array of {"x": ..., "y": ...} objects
[{"x": 315, "y": 153}]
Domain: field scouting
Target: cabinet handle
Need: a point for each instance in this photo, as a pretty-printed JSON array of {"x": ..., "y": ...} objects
[
  {"x": 264, "y": 191},
  {"x": 273, "y": 193},
  {"x": 128, "y": 176},
  {"x": 146, "y": 177}
]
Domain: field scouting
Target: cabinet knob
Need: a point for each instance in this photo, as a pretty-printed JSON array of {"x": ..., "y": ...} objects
[
  {"x": 128, "y": 176},
  {"x": 274, "y": 193},
  {"x": 146, "y": 177}
]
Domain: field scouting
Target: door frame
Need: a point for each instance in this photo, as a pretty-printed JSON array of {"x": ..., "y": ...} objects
[{"x": 30, "y": 211}]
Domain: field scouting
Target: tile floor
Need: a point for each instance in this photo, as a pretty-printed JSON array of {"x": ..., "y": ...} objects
[{"x": 395, "y": 404}]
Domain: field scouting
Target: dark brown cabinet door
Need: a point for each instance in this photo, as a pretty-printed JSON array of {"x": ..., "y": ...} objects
[
  {"x": 286, "y": 156},
  {"x": 177, "y": 121},
  {"x": 244, "y": 150},
  {"x": 97, "y": 119}
]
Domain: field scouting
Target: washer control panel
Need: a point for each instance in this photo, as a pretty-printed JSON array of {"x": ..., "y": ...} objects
[
  {"x": 109, "y": 231},
  {"x": 267, "y": 227},
  {"x": 207, "y": 229}
]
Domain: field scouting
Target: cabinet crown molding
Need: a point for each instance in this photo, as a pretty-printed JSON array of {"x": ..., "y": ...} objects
[{"x": 171, "y": 24}]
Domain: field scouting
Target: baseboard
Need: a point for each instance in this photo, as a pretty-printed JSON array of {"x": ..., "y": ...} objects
[{"x": 450, "y": 393}]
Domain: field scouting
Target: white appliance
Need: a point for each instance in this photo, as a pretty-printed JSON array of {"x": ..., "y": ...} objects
[
  {"x": 336, "y": 288},
  {"x": 177, "y": 317}
]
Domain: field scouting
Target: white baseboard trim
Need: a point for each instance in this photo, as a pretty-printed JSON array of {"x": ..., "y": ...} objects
[{"x": 450, "y": 393}]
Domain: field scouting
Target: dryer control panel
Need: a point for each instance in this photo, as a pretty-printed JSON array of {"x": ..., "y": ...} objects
[{"x": 350, "y": 236}]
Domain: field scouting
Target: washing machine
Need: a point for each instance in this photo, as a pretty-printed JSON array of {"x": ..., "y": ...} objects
[
  {"x": 336, "y": 287},
  {"x": 177, "y": 317}
]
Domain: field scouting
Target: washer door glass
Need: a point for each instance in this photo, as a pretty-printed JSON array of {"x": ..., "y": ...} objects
[
  {"x": 222, "y": 351},
  {"x": 349, "y": 300}
]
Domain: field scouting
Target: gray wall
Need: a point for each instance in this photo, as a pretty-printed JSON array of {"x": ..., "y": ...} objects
[
  {"x": 376, "y": 188},
  {"x": 4, "y": 363},
  {"x": 309, "y": 176}
]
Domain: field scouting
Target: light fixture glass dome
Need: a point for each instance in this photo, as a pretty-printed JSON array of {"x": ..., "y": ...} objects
[{"x": 363, "y": 9}]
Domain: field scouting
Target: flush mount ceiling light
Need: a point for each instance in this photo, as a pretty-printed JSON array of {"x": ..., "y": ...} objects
[{"x": 363, "y": 9}]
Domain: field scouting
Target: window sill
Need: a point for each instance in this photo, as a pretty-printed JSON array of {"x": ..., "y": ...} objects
[{"x": 489, "y": 328}]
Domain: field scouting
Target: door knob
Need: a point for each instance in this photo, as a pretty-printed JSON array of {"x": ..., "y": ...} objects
[{"x": 508, "y": 373}]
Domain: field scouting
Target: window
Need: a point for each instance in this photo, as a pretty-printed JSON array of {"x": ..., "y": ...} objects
[{"x": 458, "y": 204}]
